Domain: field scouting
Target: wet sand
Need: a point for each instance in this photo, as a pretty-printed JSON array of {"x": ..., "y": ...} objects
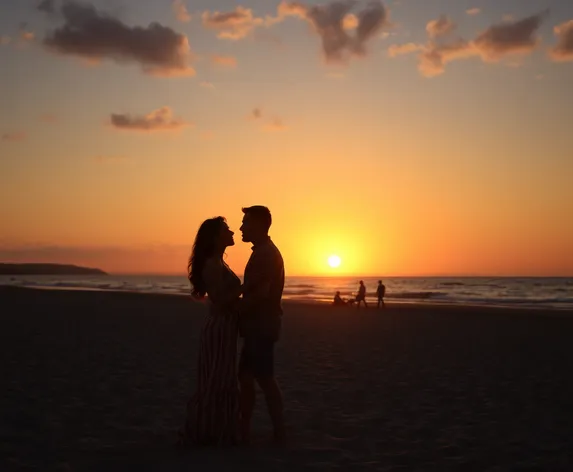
[{"x": 99, "y": 381}]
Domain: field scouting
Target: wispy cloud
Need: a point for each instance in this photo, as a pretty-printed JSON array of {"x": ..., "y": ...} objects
[
  {"x": 5, "y": 40},
  {"x": 440, "y": 27},
  {"x": 563, "y": 50},
  {"x": 233, "y": 25},
  {"x": 14, "y": 136},
  {"x": 495, "y": 43},
  {"x": 181, "y": 12},
  {"x": 93, "y": 35},
  {"x": 272, "y": 123},
  {"x": 473, "y": 11},
  {"x": 256, "y": 113},
  {"x": 158, "y": 120},
  {"x": 434, "y": 57},
  {"x": 208, "y": 85},
  {"x": 407, "y": 48},
  {"x": 225, "y": 61},
  {"x": 275, "y": 124}
]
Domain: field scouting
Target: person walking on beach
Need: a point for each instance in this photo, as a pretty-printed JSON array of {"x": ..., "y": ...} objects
[
  {"x": 213, "y": 411},
  {"x": 380, "y": 292},
  {"x": 361, "y": 296},
  {"x": 260, "y": 316}
]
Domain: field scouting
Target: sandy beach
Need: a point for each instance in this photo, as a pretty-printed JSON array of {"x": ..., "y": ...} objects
[{"x": 99, "y": 381}]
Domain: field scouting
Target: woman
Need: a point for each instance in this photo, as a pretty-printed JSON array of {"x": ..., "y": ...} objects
[{"x": 212, "y": 413}]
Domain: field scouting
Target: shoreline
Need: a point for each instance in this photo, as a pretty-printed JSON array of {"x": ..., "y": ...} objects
[{"x": 390, "y": 305}]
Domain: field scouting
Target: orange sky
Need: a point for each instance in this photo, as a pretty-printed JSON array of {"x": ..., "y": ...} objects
[{"x": 399, "y": 165}]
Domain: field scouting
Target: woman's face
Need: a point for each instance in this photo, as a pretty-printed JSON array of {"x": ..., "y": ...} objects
[{"x": 226, "y": 236}]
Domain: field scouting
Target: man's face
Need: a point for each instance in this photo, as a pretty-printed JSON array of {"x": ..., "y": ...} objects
[{"x": 248, "y": 228}]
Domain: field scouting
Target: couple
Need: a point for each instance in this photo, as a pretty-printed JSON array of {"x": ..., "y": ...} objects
[{"x": 219, "y": 413}]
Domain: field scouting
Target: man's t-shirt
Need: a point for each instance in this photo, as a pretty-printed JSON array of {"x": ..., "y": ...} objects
[{"x": 261, "y": 309}]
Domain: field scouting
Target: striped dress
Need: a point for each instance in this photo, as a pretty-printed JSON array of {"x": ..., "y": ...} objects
[{"x": 213, "y": 411}]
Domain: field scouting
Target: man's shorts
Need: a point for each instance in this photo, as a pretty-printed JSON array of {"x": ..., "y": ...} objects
[{"x": 258, "y": 357}]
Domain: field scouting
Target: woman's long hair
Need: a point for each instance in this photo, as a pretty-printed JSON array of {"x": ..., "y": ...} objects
[{"x": 203, "y": 248}]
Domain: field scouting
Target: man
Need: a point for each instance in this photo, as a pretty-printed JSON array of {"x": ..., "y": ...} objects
[
  {"x": 260, "y": 321},
  {"x": 361, "y": 296},
  {"x": 380, "y": 292}
]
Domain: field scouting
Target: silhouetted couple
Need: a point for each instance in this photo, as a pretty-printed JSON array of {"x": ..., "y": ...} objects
[{"x": 220, "y": 411}]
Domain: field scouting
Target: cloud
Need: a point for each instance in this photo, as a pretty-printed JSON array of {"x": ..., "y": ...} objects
[
  {"x": 233, "y": 25},
  {"x": 473, "y": 11},
  {"x": 296, "y": 9},
  {"x": 275, "y": 124},
  {"x": 434, "y": 57},
  {"x": 332, "y": 22},
  {"x": 509, "y": 37},
  {"x": 207, "y": 85},
  {"x": 493, "y": 44},
  {"x": 158, "y": 120},
  {"x": 5, "y": 40},
  {"x": 563, "y": 50},
  {"x": 181, "y": 12},
  {"x": 268, "y": 124},
  {"x": 401, "y": 49},
  {"x": 440, "y": 27},
  {"x": 93, "y": 36},
  {"x": 225, "y": 61},
  {"x": 328, "y": 22},
  {"x": 14, "y": 136}
]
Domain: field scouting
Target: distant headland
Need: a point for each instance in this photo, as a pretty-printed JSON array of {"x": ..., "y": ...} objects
[{"x": 47, "y": 269}]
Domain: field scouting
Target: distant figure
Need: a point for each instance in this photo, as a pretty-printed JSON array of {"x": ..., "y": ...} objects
[
  {"x": 361, "y": 296},
  {"x": 338, "y": 301},
  {"x": 380, "y": 292}
]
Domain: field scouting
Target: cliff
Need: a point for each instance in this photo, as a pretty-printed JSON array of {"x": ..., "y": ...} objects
[{"x": 47, "y": 269}]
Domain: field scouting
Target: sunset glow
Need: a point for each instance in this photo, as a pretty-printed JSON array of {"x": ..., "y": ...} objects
[{"x": 423, "y": 146}]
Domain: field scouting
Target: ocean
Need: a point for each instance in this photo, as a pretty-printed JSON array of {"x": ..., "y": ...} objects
[{"x": 522, "y": 292}]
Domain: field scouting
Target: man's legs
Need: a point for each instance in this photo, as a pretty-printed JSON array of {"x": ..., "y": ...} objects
[{"x": 257, "y": 362}]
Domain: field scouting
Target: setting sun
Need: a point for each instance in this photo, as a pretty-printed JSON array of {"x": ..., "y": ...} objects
[{"x": 334, "y": 261}]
